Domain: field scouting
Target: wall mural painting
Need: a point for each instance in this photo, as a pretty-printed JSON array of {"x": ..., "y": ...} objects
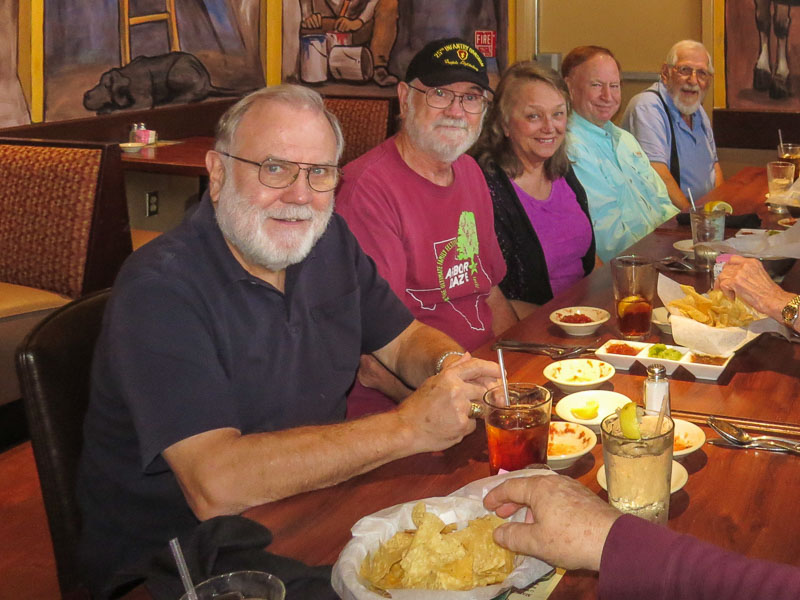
[
  {"x": 762, "y": 55},
  {"x": 171, "y": 51},
  {"x": 94, "y": 61},
  {"x": 362, "y": 47}
]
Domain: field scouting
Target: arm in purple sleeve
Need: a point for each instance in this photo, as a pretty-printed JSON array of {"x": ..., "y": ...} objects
[{"x": 643, "y": 560}]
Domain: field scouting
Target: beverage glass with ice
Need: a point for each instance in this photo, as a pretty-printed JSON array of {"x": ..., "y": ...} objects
[
  {"x": 639, "y": 472},
  {"x": 517, "y": 432},
  {"x": 780, "y": 175},
  {"x": 634, "y": 280},
  {"x": 255, "y": 585},
  {"x": 707, "y": 226}
]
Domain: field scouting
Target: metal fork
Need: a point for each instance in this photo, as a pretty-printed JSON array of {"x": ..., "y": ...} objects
[{"x": 554, "y": 351}]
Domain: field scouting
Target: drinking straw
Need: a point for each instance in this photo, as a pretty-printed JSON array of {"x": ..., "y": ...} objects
[
  {"x": 177, "y": 553},
  {"x": 691, "y": 200},
  {"x": 661, "y": 412},
  {"x": 503, "y": 375},
  {"x": 780, "y": 141}
]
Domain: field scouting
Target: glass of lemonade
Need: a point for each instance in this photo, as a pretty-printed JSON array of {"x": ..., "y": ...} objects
[
  {"x": 517, "y": 432},
  {"x": 780, "y": 176},
  {"x": 634, "y": 279},
  {"x": 639, "y": 472},
  {"x": 241, "y": 584}
]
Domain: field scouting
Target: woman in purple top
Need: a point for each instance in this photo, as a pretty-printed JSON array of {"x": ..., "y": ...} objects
[
  {"x": 540, "y": 209},
  {"x": 569, "y": 526}
]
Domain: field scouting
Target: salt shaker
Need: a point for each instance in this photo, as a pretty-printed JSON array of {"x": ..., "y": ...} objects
[
  {"x": 656, "y": 389},
  {"x": 132, "y": 133}
]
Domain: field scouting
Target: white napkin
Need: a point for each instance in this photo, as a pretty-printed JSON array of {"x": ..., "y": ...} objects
[
  {"x": 459, "y": 507},
  {"x": 717, "y": 341},
  {"x": 760, "y": 244}
]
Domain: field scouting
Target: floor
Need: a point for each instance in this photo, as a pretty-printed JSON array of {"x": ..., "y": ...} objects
[{"x": 27, "y": 566}]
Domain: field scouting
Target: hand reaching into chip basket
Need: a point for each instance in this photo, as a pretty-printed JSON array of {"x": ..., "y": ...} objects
[
  {"x": 567, "y": 525},
  {"x": 746, "y": 278}
]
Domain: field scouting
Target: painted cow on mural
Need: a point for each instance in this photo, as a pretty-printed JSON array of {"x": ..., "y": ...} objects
[{"x": 764, "y": 76}]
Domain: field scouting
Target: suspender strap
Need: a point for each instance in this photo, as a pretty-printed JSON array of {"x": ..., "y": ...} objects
[{"x": 674, "y": 164}]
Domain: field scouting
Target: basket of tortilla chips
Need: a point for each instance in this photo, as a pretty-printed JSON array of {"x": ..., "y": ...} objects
[
  {"x": 434, "y": 548},
  {"x": 711, "y": 323}
]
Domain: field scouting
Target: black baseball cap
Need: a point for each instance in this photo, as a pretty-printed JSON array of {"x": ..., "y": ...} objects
[{"x": 446, "y": 61}]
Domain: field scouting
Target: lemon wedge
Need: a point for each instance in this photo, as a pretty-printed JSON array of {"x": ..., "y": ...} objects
[
  {"x": 623, "y": 305},
  {"x": 718, "y": 205},
  {"x": 629, "y": 422},
  {"x": 587, "y": 411}
]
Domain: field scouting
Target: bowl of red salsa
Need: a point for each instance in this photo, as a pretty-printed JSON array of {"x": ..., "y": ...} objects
[{"x": 579, "y": 320}]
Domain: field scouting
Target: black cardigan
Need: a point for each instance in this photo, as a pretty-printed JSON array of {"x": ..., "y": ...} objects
[{"x": 526, "y": 277}]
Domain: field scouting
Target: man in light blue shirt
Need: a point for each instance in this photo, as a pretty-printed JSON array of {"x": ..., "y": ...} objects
[
  {"x": 672, "y": 110},
  {"x": 627, "y": 198}
]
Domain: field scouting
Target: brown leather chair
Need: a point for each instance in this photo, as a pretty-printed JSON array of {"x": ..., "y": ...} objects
[
  {"x": 64, "y": 232},
  {"x": 53, "y": 366}
]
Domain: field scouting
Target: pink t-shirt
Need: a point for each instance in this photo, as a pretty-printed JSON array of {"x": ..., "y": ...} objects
[
  {"x": 435, "y": 245},
  {"x": 563, "y": 231}
]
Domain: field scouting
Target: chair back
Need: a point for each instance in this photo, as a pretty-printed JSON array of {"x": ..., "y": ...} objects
[
  {"x": 53, "y": 365},
  {"x": 63, "y": 215},
  {"x": 365, "y": 122}
]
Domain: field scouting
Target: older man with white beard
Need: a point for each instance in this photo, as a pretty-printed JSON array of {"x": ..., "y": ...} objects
[
  {"x": 421, "y": 209},
  {"x": 229, "y": 344},
  {"x": 670, "y": 124}
]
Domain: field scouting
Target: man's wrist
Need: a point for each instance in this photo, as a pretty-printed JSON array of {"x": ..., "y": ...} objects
[{"x": 440, "y": 363}]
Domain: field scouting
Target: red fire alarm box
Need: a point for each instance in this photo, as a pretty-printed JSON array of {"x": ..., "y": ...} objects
[{"x": 486, "y": 42}]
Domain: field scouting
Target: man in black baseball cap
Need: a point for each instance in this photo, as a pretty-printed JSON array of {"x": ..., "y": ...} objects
[
  {"x": 420, "y": 207},
  {"x": 442, "y": 62}
]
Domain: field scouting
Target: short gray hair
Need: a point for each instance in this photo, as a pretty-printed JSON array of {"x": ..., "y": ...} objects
[
  {"x": 672, "y": 55},
  {"x": 289, "y": 94}
]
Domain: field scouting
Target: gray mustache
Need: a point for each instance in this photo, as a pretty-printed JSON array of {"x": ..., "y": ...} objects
[{"x": 452, "y": 123}]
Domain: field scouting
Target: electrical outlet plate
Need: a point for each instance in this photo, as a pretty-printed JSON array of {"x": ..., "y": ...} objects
[{"x": 151, "y": 204}]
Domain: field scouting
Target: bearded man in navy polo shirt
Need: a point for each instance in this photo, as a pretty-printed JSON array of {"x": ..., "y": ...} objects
[{"x": 229, "y": 344}]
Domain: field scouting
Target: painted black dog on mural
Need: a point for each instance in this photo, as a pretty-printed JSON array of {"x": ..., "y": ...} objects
[{"x": 149, "y": 81}]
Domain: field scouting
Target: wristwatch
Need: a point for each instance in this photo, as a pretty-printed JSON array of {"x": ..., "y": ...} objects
[{"x": 790, "y": 311}]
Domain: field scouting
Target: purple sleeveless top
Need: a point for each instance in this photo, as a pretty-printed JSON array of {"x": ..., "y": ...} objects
[{"x": 563, "y": 231}]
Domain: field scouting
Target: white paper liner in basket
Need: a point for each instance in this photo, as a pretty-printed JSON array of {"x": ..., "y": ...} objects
[
  {"x": 460, "y": 506},
  {"x": 784, "y": 244},
  {"x": 717, "y": 341}
]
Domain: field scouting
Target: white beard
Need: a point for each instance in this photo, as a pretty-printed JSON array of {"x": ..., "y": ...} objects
[
  {"x": 242, "y": 223},
  {"x": 683, "y": 107},
  {"x": 447, "y": 150}
]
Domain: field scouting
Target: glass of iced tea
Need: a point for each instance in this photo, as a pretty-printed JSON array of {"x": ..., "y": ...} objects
[
  {"x": 517, "y": 431},
  {"x": 634, "y": 289},
  {"x": 790, "y": 153}
]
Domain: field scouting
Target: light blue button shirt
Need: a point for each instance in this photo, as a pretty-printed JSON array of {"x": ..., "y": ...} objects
[
  {"x": 627, "y": 198},
  {"x": 697, "y": 153}
]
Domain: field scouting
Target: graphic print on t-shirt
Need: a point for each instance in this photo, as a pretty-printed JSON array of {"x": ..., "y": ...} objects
[{"x": 460, "y": 274}]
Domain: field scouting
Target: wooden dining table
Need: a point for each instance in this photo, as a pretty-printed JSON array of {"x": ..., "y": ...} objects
[
  {"x": 186, "y": 156},
  {"x": 741, "y": 500}
]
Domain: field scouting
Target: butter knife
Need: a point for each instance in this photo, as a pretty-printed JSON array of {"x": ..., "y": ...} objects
[{"x": 765, "y": 445}]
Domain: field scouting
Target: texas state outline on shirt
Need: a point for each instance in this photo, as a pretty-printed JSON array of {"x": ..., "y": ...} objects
[{"x": 458, "y": 264}]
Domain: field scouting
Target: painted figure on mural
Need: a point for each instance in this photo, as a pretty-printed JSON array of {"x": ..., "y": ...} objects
[
  {"x": 369, "y": 43},
  {"x": 352, "y": 39},
  {"x": 764, "y": 76}
]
